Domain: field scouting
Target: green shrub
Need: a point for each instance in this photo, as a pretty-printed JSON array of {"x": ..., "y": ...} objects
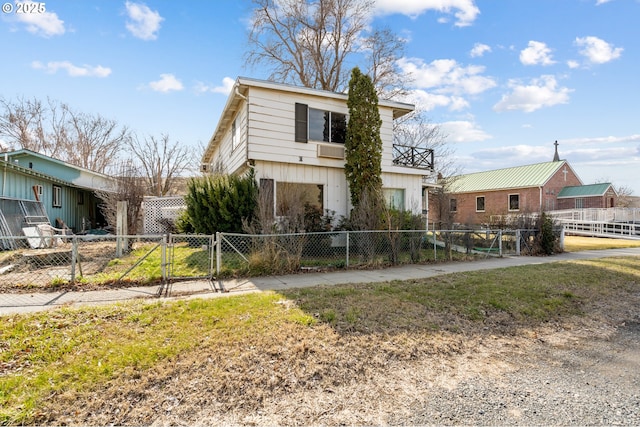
[{"x": 219, "y": 203}]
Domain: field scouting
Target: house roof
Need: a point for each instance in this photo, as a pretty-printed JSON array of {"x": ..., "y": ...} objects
[
  {"x": 85, "y": 178},
  {"x": 592, "y": 190},
  {"x": 241, "y": 90},
  {"x": 527, "y": 176}
]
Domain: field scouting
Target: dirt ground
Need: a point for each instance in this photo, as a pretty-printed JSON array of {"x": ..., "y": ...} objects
[{"x": 581, "y": 370}]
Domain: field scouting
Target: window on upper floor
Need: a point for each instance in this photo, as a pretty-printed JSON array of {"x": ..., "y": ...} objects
[
  {"x": 319, "y": 125},
  {"x": 514, "y": 202},
  {"x": 480, "y": 204},
  {"x": 234, "y": 134}
]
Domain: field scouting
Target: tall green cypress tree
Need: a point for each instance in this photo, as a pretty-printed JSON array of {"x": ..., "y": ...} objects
[{"x": 363, "y": 145}]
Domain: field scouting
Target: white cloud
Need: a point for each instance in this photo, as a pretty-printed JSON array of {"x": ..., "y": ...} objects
[
  {"x": 463, "y": 131},
  {"x": 167, "y": 83},
  {"x": 596, "y": 50},
  {"x": 541, "y": 92},
  {"x": 605, "y": 140},
  {"x": 225, "y": 88},
  {"x": 44, "y": 24},
  {"x": 479, "y": 49},
  {"x": 428, "y": 101},
  {"x": 515, "y": 154},
  {"x": 444, "y": 82},
  {"x": 143, "y": 22},
  {"x": 573, "y": 64},
  {"x": 465, "y": 11},
  {"x": 72, "y": 70},
  {"x": 599, "y": 2},
  {"x": 446, "y": 76},
  {"x": 536, "y": 54}
]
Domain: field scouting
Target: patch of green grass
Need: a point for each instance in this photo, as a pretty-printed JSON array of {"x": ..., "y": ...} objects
[
  {"x": 72, "y": 350},
  {"x": 183, "y": 260},
  {"x": 536, "y": 293}
]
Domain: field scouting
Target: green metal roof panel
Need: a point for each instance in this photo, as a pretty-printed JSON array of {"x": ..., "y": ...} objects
[
  {"x": 584, "y": 190},
  {"x": 515, "y": 177}
]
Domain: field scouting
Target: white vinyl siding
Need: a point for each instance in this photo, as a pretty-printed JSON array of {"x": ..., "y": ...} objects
[{"x": 266, "y": 124}]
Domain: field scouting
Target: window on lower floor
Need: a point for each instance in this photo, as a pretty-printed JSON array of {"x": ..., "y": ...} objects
[
  {"x": 480, "y": 204},
  {"x": 514, "y": 202},
  {"x": 453, "y": 205},
  {"x": 394, "y": 198},
  {"x": 57, "y": 196},
  {"x": 292, "y": 198},
  {"x": 579, "y": 203}
]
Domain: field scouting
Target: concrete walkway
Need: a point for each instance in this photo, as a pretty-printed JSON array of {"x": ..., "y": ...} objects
[{"x": 30, "y": 302}]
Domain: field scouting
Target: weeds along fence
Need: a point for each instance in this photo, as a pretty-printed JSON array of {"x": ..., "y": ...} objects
[
  {"x": 33, "y": 262},
  {"x": 281, "y": 253}
]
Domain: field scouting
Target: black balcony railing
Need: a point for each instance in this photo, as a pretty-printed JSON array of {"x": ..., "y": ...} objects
[{"x": 413, "y": 157}]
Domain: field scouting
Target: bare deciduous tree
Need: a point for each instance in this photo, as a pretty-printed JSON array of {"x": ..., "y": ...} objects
[
  {"x": 54, "y": 129},
  {"x": 127, "y": 186},
  {"x": 161, "y": 161},
  {"x": 94, "y": 142},
  {"x": 625, "y": 195},
  {"x": 415, "y": 130},
  {"x": 382, "y": 48},
  {"x": 315, "y": 43}
]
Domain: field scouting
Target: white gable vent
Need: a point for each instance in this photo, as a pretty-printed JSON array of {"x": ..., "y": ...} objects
[{"x": 331, "y": 151}]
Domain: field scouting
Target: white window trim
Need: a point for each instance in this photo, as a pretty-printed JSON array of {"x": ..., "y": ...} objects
[
  {"x": 509, "y": 202},
  {"x": 485, "y": 204},
  {"x": 57, "y": 196},
  {"x": 234, "y": 134}
]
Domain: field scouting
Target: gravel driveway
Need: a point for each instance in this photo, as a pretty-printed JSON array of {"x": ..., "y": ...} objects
[{"x": 589, "y": 377}]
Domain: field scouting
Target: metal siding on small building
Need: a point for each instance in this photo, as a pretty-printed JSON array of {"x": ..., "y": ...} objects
[{"x": 18, "y": 183}]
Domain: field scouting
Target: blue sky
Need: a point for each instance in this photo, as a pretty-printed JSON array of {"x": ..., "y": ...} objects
[{"x": 503, "y": 78}]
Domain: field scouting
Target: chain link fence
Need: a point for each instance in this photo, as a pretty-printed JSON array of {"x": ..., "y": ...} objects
[
  {"x": 30, "y": 263},
  {"x": 102, "y": 261},
  {"x": 240, "y": 254}
]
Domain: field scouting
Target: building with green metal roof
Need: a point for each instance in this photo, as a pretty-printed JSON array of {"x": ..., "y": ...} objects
[
  {"x": 490, "y": 196},
  {"x": 601, "y": 195}
]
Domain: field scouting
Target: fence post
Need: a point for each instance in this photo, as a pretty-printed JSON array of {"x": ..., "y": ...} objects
[
  {"x": 218, "y": 253},
  {"x": 163, "y": 258},
  {"x": 562, "y": 237},
  {"x": 500, "y": 241},
  {"x": 435, "y": 246},
  {"x": 74, "y": 257},
  {"x": 518, "y": 237},
  {"x": 212, "y": 248},
  {"x": 347, "y": 265}
]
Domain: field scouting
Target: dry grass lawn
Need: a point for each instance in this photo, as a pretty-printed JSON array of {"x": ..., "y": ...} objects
[
  {"x": 580, "y": 243},
  {"x": 356, "y": 354}
]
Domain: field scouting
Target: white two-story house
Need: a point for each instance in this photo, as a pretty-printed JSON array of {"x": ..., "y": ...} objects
[{"x": 295, "y": 136}]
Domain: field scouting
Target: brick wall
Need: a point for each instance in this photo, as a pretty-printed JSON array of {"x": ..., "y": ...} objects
[{"x": 496, "y": 202}]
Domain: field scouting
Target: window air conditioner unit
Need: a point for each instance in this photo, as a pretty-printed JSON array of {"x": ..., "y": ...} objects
[{"x": 331, "y": 151}]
